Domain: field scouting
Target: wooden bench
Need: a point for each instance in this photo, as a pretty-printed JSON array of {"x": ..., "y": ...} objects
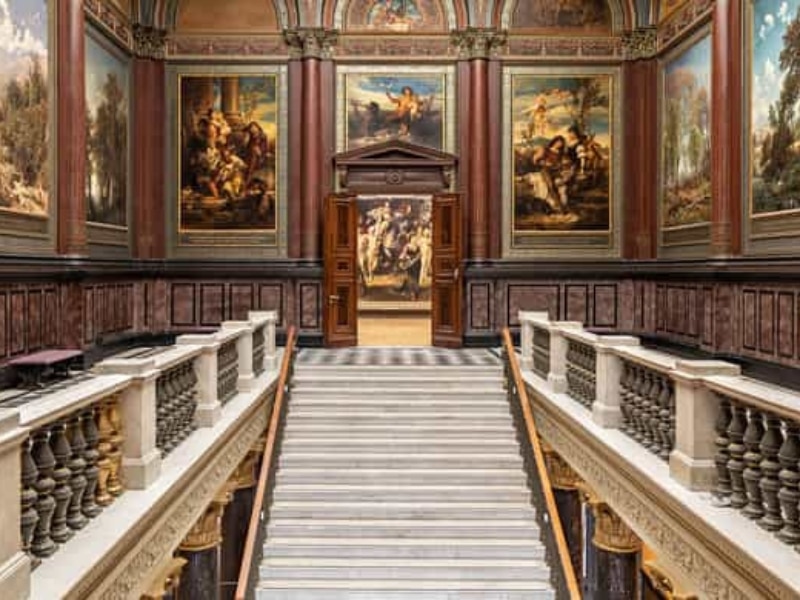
[{"x": 32, "y": 367}]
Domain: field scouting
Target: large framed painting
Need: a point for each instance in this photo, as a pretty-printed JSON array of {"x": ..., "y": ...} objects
[
  {"x": 399, "y": 16},
  {"x": 377, "y": 104},
  {"x": 774, "y": 135},
  {"x": 587, "y": 17},
  {"x": 230, "y": 156},
  {"x": 394, "y": 252},
  {"x": 107, "y": 133},
  {"x": 560, "y": 158},
  {"x": 25, "y": 117},
  {"x": 685, "y": 149}
]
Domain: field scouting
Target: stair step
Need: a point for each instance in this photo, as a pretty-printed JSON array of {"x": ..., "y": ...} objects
[
  {"x": 403, "y": 493},
  {"x": 294, "y": 509},
  {"x": 371, "y": 445},
  {"x": 403, "y": 569},
  {"x": 397, "y": 476},
  {"x": 320, "y": 405},
  {"x": 400, "y": 380},
  {"x": 426, "y": 548},
  {"x": 397, "y": 431},
  {"x": 282, "y": 589},
  {"x": 381, "y": 418},
  {"x": 403, "y": 528},
  {"x": 368, "y": 372},
  {"x": 355, "y": 390},
  {"x": 392, "y": 460}
]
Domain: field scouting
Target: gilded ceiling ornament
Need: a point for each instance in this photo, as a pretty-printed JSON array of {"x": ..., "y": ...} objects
[
  {"x": 562, "y": 476},
  {"x": 310, "y": 42},
  {"x": 149, "y": 42},
  {"x": 478, "y": 42},
  {"x": 640, "y": 43},
  {"x": 611, "y": 533}
]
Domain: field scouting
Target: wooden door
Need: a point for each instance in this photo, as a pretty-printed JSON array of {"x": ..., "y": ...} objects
[
  {"x": 340, "y": 313},
  {"x": 446, "y": 284}
]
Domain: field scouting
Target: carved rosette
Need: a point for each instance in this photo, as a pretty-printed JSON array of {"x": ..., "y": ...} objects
[
  {"x": 611, "y": 533},
  {"x": 311, "y": 42},
  {"x": 562, "y": 476},
  {"x": 478, "y": 42},
  {"x": 640, "y": 43},
  {"x": 149, "y": 42}
]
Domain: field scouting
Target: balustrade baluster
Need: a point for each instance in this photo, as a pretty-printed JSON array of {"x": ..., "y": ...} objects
[
  {"x": 115, "y": 487},
  {"x": 61, "y": 474},
  {"x": 634, "y": 400},
  {"x": 737, "y": 449},
  {"x": 652, "y": 435},
  {"x": 666, "y": 418},
  {"x": 752, "y": 460},
  {"x": 625, "y": 394},
  {"x": 789, "y": 475},
  {"x": 723, "y": 490},
  {"x": 42, "y": 544},
  {"x": 28, "y": 514},
  {"x": 105, "y": 431},
  {"x": 771, "y": 444},
  {"x": 77, "y": 465},
  {"x": 161, "y": 415},
  {"x": 644, "y": 406},
  {"x": 91, "y": 455}
]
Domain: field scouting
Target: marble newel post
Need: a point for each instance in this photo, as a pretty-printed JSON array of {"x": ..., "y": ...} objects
[
  {"x": 477, "y": 45},
  {"x": 312, "y": 45},
  {"x": 566, "y": 482}
]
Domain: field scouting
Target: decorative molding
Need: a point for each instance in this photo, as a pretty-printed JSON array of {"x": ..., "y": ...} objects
[
  {"x": 478, "y": 42},
  {"x": 236, "y": 46},
  {"x": 149, "y": 42},
  {"x": 611, "y": 533},
  {"x": 311, "y": 42},
  {"x": 535, "y": 48},
  {"x": 684, "y": 19},
  {"x": 640, "y": 43},
  {"x": 562, "y": 476},
  {"x": 111, "y": 20},
  {"x": 715, "y": 566}
]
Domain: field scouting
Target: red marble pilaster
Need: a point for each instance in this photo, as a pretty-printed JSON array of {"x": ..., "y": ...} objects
[
  {"x": 464, "y": 142},
  {"x": 726, "y": 129},
  {"x": 294, "y": 169},
  {"x": 71, "y": 129},
  {"x": 311, "y": 158},
  {"x": 478, "y": 157},
  {"x": 495, "y": 159}
]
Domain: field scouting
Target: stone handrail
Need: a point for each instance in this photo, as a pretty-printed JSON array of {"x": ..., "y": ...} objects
[{"x": 76, "y": 447}]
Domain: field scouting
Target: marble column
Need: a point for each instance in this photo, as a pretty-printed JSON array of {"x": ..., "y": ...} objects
[
  {"x": 235, "y": 521},
  {"x": 566, "y": 482},
  {"x": 726, "y": 129},
  {"x": 148, "y": 143},
  {"x": 616, "y": 555},
  {"x": 312, "y": 45},
  {"x": 201, "y": 550},
  {"x": 71, "y": 128}
]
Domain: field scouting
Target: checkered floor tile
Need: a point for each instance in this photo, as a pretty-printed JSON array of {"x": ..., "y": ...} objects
[{"x": 398, "y": 356}]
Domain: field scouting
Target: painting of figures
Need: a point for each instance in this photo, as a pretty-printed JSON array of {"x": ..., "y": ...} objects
[
  {"x": 107, "y": 106},
  {"x": 381, "y": 107},
  {"x": 228, "y": 133},
  {"x": 775, "y": 106},
  {"x": 561, "y": 153},
  {"x": 581, "y": 16},
  {"x": 686, "y": 137},
  {"x": 394, "y": 248},
  {"x": 24, "y": 136},
  {"x": 395, "y": 15}
]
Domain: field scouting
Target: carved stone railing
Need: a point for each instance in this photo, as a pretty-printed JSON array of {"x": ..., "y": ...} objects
[
  {"x": 581, "y": 367},
  {"x": 227, "y": 370},
  {"x": 176, "y": 405}
]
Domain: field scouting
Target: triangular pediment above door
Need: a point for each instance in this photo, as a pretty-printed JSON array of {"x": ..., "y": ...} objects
[{"x": 393, "y": 151}]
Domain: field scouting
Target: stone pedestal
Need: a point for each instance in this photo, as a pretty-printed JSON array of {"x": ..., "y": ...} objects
[
  {"x": 209, "y": 409},
  {"x": 605, "y": 409},
  {"x": 559, "y": 345}
]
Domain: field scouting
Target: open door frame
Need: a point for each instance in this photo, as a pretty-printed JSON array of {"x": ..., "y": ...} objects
[
  {"x": 446, "y": 285},
  {"x": 340, "y": 311}
]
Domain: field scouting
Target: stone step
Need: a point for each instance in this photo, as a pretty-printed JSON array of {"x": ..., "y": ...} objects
[
  {"x": 397, "y": 476},
  {"x": 293, "y": 509},
  {"x": 319, "y": 405},
  {"x": 281, "y": 589},
  {"x": 368, "y": 372},
  {"x": 399, "y": 381},
  {"x": 403, "y": 528},
  {"x": 397, "y": 548},
  {"x": 397, "y": 431},
  {"x": 355, "y": 390},
  {"x": 403, "y": 569},
  {"x": 402, "y": 493},
  {"x": 332, "y": 445},
  {"x": 416, "y": 418},
  {"x": 393, "y": 460}
]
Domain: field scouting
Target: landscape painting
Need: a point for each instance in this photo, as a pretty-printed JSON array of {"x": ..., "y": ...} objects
[
  {"x": 384, "y": 107},
  {"x": 562, "y": 146},
  {"x": 775, "y": 107},
  {"x": 394, "y": 248},
  {"x": 580, "y": 16},
  {"x": 395, "y": 15},
  {"x": 107, "y": 110},
  {"x": 24, "y": 123},
  {"x": 686, "y": 137},
  {"x": 228, "y": 161}
]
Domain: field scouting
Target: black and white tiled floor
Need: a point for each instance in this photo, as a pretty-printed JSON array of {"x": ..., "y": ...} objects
[{"x": 398, "y": 356}]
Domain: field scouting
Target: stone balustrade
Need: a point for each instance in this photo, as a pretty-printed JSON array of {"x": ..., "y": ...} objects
[{"x": 76, "y": 447}]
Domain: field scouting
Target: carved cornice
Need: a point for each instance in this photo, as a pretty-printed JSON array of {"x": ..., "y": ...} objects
[
  {"x": 110, "y": 18},
  {"x": 640, "y": 43},
  {"x": 478, "y": 42},
  {"x": 149, "y": 42},
  {"x": 311, "y": 42},
  {"x": 611, "y": 533}
]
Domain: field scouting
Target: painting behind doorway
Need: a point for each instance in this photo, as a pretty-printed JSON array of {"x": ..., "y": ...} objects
[{"x": 394, "y": 250}]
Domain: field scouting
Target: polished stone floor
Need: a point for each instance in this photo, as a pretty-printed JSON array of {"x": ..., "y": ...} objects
[
  {"x": 394, "y": 330},
  {"x": 397, "y": 356}
]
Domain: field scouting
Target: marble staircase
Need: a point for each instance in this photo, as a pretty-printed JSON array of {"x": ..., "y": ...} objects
[{"x": 399, "y": 482}]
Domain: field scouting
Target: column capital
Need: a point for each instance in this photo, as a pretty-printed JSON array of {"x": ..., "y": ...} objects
[
  {"x": 149, "y": 42},
  {"x": 206, "y": 533},
  {"x": 311, "y": 42},
  {"x": 640, "y": 43},
  {"x": 562, "y": 476},
  {"x": 611, "y": 533},
  {"x": 478, "y": 42}
]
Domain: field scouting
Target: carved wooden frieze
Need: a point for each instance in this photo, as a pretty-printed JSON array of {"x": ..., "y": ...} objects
[
  {"x": 111, "y": 20},
  {"x": 256, "y": 47},
  {"x": 682, "y": 20}
]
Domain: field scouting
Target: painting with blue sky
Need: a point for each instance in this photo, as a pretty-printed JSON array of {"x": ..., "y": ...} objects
[
  {"x": 562, "y": 146},
  {"x": 107, "y": 109},
  {"x": 775, "y": 106},
  {"x": 407, "y": 107},
  {"x": 686, "y": 137},
  {"x": 24, "y": 106}
]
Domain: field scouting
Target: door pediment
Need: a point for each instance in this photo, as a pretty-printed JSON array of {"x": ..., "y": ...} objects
[{"x": 394, "y": 166}]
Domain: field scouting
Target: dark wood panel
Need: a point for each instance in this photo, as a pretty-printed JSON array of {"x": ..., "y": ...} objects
[
  {"x": 241, "y": 300},
  {"x": 4, "y": 330},
  {"x": 749, "y": 318},
  {"x": 533, "y": 297},
  {"x": 576, "y": 301},
  {"x": 19, "y": 319},
  {"x": 183, "y": 309},
  {"x": 605, "y": 306},
  {"x": 309, "y": 305},
  {"x": 35, "y": 302},
  {"x": 480, "y": 306},
  {"x": 786, "y": 324},
  {"x": 766, "y": 322},
  {"x": 212, "y": 304}
]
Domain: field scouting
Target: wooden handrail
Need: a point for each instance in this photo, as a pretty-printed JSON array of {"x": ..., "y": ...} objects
[
  {"x": 550, "y": 501},
  {"x": 263, "y": 475}
]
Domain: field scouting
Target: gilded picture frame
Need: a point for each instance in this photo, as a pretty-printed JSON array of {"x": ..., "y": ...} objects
[{"x": 589, "y": 238}]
